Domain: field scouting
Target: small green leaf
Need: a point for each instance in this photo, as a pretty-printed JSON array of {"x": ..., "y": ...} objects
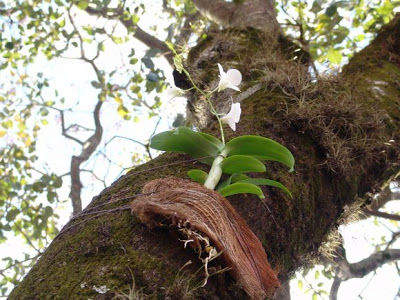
[
  {"x": 334, "y": 56},
  {"x": 300, "y": 284},
  {"x": 261, "y": 148},
  {"x": 83, "y": 4},
  {"x": 170, "y": 46},
  {"x": 183, "y": 139},
  {"x": 223, "y": 184},
  {"x": 12, "y": 214},
  {"x": 239, "y": 177},
  {"x": 198, "y": 175},
  {"x": 178, "y": 63},
  {"x": 148, "y": 62},
  {"x": 233, "y": 178},
  {"x": 316, "y": 276},
  {"x": 133, "y": 60},
  {"x": 241, "y": 188},
  {"x": 269, "y": 182},
  {"x": 331, "y": 10},
  {"x": 95, "y": 84},
  {"x": 9, "y": 45},
  {"x": 241, "y": 164}
]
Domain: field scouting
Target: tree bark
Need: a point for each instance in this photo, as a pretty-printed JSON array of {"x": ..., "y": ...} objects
[
  {"x": 344, "y": 133},
  {"x": 259, "y": 14}
]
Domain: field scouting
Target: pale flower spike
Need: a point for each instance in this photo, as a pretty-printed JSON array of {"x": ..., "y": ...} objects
[
  {"x": 173, "y": 92},
  {"x": 233, "y": 116},
  {"x": 231, "y": 79}
]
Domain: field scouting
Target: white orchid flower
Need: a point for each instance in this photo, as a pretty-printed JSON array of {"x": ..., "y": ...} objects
[
  {"x": 233, "y": 116},
  {"x": 231, "y": 79},
  {"x": 173, "y": 92}
]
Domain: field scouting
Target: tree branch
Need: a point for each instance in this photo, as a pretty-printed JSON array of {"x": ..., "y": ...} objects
[
  {"x": 65, "y": 130},
  {"x": 186, "y": 30},
  {"x": 283, "y": 292},
  {"x": 384, "y": 197},
  {"x": 365, "y": 266},
  {"x": 335, "y": 288},
  {"x": 218, "y": 11},
  {"x": 378, "y": 202},
  {"x": 90, "y": 145},
  {"x": 20, "y": 262},
  {"x": 139, "y": 33},
  {"x": 381, "y": 214}
]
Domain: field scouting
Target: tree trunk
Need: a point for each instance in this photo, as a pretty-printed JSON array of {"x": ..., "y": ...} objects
[{"x": 343, "y": 131}]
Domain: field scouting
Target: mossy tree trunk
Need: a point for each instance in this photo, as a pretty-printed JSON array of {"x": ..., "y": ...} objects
[{"x": 344, "y": 132}]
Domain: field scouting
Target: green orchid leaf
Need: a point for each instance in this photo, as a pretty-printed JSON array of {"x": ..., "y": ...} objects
[
  {"x": 269, "y": 182},
  {"x": 241, "y": 188},
  {"x": 223, "y": 184},
  {"x": 232, "y": 179},
  {"x": 261, "y": 148},
  {"x": 198, "y": 175},
  {"x": 213, "y": 140},
  {"x": 241, "y": 164},
  {"x": 237, "y": 177},
  {"x": 185, "y": 140}
]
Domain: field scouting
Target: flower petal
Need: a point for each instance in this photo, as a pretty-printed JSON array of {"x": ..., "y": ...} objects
[
  {"x": 229, "y": 121},
  {"x": 235, "y": 112},
  {"x": 233, "y": 116},
  {"x": 231, "y": 86},
  {"x": 221, "y": 70},
  {"x": 234, "y": 76},
  {"x": 173, "y": 92},
  {"x": 230, "y": 79}
]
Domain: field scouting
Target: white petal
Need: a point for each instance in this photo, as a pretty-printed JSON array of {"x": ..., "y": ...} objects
[
  {"x": 234, "y": 76},
  {"x": 173, "y": 92},
  {"x": 233, "y": 116},
  {"x": 228, "y": 120},
  {"x": 231, "y": 86},
  {"x": 221, "y": 70},
  {"x": 231, "y": 79},
  {"x": 235, "y": 112},
  {"x": 223, "y": 84}
]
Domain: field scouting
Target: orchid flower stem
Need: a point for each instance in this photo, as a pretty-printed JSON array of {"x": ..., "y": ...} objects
[
  {"x": 216, "y": 171},
  {"x": 213, "y": 91},
  {"x": 207, "y": 96}
]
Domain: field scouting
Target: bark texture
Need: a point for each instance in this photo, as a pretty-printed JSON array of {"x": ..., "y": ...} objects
[
  {"x": 259, "y": 14},
  {"x": 343, "y": 131}
]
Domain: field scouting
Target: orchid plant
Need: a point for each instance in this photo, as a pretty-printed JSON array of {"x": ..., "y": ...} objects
[{"x": 240, "y": 155}]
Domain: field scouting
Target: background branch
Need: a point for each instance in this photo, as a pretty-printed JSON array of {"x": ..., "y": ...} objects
[{"x": 144, "y": 37}]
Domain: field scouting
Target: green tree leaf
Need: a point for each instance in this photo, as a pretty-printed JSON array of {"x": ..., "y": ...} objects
[
  {"x": 334, "y": 56},
  {"x": 261, "y": 148},
  {"x": 300, "y": 284},
  {"x": 241, "y": 188},
  {"x": 241, "y": 164},
  {"x": 83, "y": 4},
  {"x": 198, "y": 175},
  {"x": 11, "y": 215}
]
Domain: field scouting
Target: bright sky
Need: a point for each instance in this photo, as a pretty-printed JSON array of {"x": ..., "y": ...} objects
[{"x": 72, "y": 79}]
